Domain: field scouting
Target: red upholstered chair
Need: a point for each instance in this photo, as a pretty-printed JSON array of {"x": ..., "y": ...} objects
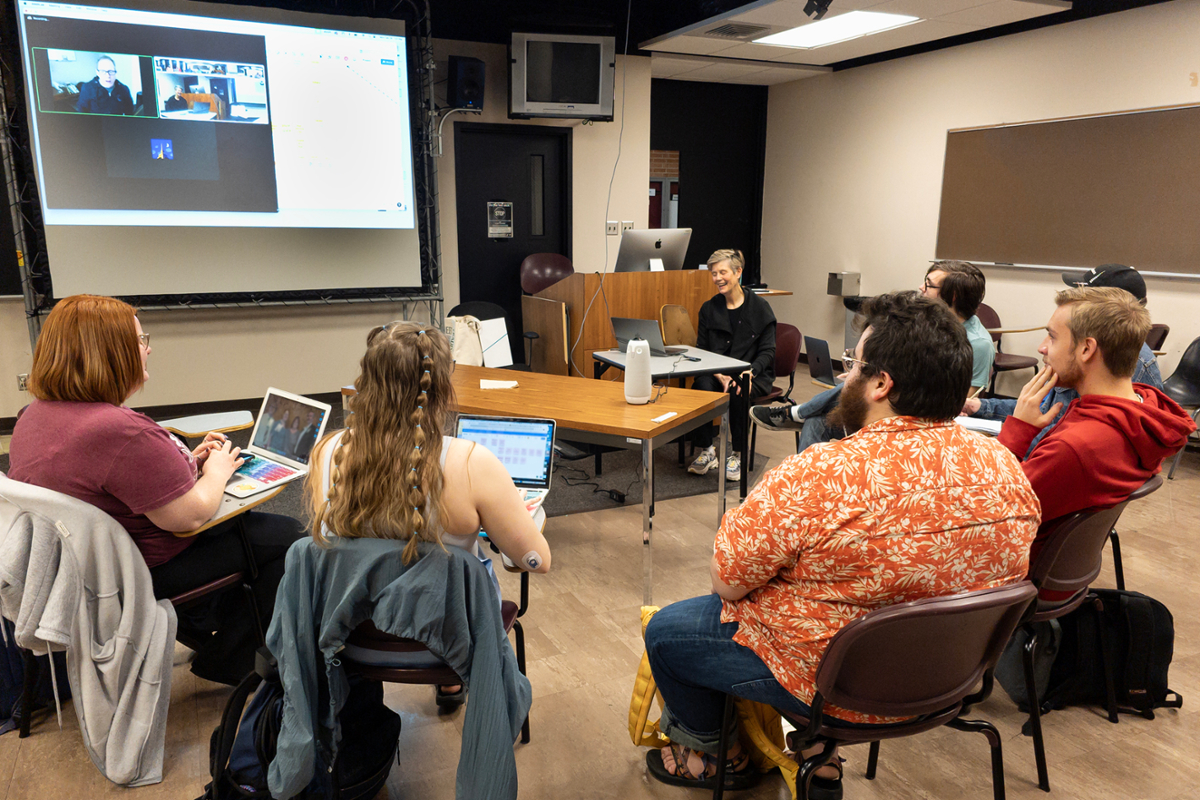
[
  {"x": 1004, "y": 362},
  {"x": 542, "y": 270},
  {"x": 787, "y": 354}
]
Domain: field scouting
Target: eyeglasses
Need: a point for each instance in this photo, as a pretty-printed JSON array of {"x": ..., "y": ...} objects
[
  {"x": 106, "y": 72},
  {"x": 144, "y": 338},
  {"x": 849, "y": 361},
  {"x": 929, "y": 285}
]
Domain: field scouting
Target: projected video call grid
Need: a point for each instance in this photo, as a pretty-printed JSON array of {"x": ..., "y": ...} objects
[{"x": 186, "y": 128}]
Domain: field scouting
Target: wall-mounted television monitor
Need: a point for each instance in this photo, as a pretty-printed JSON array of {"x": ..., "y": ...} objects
[{"x": 569, "y": 77}]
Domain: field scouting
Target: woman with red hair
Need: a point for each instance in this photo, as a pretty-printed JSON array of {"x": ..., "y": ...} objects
[{"x": 77, "y": 437}]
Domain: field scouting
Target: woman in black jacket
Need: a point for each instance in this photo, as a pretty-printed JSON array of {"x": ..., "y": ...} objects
[{"x": 741, "y": 325}]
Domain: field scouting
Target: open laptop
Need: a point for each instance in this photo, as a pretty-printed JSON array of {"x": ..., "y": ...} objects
[
  {"x": 288, "y": 426},
  {"x": 625, "y": 329},
  {"x": 524, "y": 446},
  {"x": 820, "y": 366}
]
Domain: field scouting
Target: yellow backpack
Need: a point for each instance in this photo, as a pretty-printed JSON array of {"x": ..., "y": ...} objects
[{"x": 760, "y": 728}]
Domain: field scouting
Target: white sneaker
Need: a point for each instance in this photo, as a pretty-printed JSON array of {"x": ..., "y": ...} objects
[
  {"x": 733, "y": 468},
  {"x": 704, "y": 462}
]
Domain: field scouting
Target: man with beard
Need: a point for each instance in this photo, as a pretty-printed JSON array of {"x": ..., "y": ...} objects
[
  {"x": 908, "y": 505},
  {"x": 1117, "y": 433}
]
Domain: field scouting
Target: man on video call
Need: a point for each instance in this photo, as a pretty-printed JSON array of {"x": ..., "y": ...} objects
[
  {"x": 104, "y": 94},
  {"x": 178, "y": 102}
]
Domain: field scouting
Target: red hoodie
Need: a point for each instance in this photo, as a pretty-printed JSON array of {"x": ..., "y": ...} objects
[{"x": 1101, "y": 451}]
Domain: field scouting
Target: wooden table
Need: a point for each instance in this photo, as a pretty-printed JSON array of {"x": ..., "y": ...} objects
[
  {"x": 706, "y": 363},
  {"x": 596, "y": 412}
]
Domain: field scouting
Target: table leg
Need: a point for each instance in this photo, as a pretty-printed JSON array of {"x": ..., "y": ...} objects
[
  {"x": 598, "y": 369},
  {"x": 647, "y": 521},
  {"x": 743, "y": 408},
  {"x": 723, "y": 434}
]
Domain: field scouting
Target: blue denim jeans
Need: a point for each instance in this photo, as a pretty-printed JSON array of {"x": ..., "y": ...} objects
[
  {"x": 696, "y": 663},
  {"x": 813, "y": 413}
]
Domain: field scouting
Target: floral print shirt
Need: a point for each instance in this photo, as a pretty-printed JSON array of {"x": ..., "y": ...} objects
[{"x": 904, "y": 509}]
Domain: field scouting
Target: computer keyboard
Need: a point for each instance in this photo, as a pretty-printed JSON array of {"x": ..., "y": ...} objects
[{"x": 265, "y": 471}]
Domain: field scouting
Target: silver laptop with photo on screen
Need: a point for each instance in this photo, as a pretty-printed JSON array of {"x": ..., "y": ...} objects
[
  {"x": 525, "y": 447},
  {"x": 287, "y": 427},
  {"x": 820, "y": 366},
  {"x": 625, "y": 329}
]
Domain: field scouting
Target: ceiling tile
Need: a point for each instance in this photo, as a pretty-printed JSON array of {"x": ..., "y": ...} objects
[
  {"x": 770, "y": 77},
  {"x": 722, "y": 72},
  {"x": 667, "y": 66},
  {"x": 696, "y": 45},
  {"x": 758, "y": 52},
  {"x": 1000, "y": 13}
]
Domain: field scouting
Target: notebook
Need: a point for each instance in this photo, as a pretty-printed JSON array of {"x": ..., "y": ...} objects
[
  {"x": 288, "y": 426},
  {"x": 820, "y": 367},
  {"x": 524, "y": 446},
  {"x": 625, "y": 329}
]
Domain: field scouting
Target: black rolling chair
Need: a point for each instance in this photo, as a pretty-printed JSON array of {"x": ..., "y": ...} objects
[
  {"x": 919, "y": 660},
  {"x": 1184, "y": 388},
  {"x": 481, "y": 310}
]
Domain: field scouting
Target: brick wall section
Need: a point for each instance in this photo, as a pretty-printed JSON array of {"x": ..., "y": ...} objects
[{"x": 664, "y": 163}]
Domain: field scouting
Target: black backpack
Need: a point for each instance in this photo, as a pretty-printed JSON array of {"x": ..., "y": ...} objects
[
  {"x": 243, "y": 745},
  {"x": 1139, "y": 640}
]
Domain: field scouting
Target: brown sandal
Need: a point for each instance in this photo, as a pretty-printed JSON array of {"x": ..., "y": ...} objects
[{"x": 739, "y": 774}]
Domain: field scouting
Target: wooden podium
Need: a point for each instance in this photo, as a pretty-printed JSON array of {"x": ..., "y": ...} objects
[{"x": 638, "y": 295}]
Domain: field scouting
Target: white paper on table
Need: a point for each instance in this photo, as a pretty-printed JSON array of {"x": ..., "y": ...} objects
[
  {"x": 497, "y": 384},
  {"x": 989, "y": 426},
  {"x": 493, "y": 337}
]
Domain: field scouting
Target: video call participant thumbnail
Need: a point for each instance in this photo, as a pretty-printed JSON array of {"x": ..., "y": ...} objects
[
  {"x": 177, "y": 102},
  {"x": 104, "y": 94}
]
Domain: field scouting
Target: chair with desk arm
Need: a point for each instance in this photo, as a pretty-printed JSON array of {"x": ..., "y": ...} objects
[
  {"x": 787, "y": 355},
  {"x": 1184, "y": 388},
  {"x": 920, "y": 660},
  {"x": 1004, "y": 362}
]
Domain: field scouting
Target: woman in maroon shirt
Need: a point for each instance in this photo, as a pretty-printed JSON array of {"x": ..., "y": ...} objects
[{"x": 77, "y": 437}]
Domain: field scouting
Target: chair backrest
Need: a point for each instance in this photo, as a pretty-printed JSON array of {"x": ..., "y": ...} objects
[
  {"x": 542, "y": 270},
  {"x": 676, "y": 325},
  {"x": 1072, "y": 550},
  {"x": 1187, "y": 372},
  {"x": 787, "y": 348},
  {"x": 920, "y": 657},
  {"x": 1157, "y": 336},
  {"x": 479, "y": 309},
  {"x": 990, "y": 319}
]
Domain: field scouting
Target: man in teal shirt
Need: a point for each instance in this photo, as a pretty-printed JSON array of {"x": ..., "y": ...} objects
[{"x": 960, "y": 285}]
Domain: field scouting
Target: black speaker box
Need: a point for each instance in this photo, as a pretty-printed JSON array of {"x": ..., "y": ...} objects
[{"x": 464, "y": 85}]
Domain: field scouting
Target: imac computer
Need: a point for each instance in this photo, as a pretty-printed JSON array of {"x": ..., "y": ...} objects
[{"x": 638, "y": 247}]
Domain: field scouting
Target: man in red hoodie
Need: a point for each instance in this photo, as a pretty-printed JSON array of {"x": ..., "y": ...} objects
[{"x": 1117, "y": 433}]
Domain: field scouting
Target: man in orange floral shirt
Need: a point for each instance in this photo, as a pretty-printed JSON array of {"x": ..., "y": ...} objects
[{"x": 910, "y": 505}]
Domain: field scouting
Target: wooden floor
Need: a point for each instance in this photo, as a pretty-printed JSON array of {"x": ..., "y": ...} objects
[{"x": 583, "y": 646}]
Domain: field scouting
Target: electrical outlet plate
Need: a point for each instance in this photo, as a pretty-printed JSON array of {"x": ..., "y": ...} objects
[
  {"x": 612, "y": 227},
  {"x": 627, "y": 225},
  {"x": 22, "y": 381}
]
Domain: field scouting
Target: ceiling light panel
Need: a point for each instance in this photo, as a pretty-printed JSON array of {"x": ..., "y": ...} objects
[{"x": 841, "y": 28}]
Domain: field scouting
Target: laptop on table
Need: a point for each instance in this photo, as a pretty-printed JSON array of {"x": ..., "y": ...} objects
[
  {"x": 625, "y": 329},
  {"x": 524, "y": 446},
  {"x": 280, "y": 449}
]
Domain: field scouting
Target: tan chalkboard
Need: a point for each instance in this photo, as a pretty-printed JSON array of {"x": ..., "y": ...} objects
[{"x": 1119, "y": 188}]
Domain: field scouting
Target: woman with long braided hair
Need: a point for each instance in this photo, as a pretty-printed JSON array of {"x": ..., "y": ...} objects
[{"x": 392, "y": 474}]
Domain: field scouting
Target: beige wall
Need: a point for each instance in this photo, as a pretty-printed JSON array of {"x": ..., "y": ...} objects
[
  {"x": 206, "y": 355},
  {"x": 593, "y": 151},
  {"x": 854, "y": 159}
]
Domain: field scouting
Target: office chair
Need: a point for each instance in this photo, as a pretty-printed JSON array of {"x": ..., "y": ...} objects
[{"x": 919, "y": 660}]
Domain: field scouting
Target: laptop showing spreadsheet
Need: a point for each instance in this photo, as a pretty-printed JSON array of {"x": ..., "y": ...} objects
[
  {"x": 524, "y": 446},
  {"x": 287, "y": 427}
]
